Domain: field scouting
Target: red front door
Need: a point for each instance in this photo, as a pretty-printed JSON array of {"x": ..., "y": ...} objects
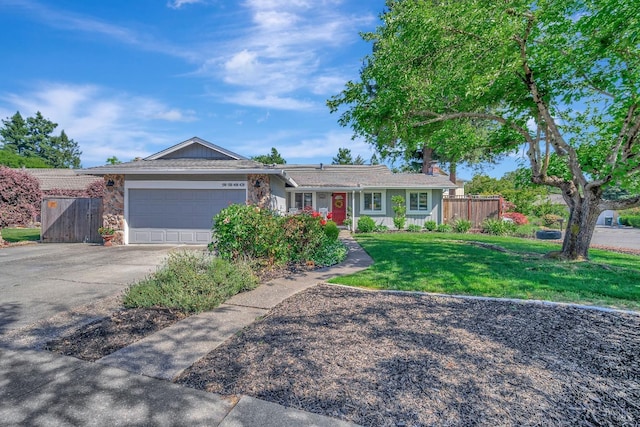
[{"x": 339, "y": 207}]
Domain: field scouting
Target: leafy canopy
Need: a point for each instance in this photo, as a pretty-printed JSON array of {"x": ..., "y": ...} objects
[
  {"x": 273, "y": 158},
  {"x": 344, "y": 157}
]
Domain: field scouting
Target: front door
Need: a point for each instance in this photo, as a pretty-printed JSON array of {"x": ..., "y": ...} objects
[{"x": 339, "y": 207}]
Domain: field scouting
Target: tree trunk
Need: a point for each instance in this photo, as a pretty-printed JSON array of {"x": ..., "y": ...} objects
[
  {"x": 453, "y": 166},
  {"x": 427, "y": 158},
  {"x": 580, "y": 228}
]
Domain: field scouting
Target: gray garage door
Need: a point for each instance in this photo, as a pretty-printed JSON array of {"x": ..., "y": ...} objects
[{"x": 177, "y": 215}]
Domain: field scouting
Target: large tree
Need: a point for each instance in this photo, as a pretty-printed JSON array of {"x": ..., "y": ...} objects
[
  {"x": 34, "y": 138},
  {"x": 561, "y": 78}
]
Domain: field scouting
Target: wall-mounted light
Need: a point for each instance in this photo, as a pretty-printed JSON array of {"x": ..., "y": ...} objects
[
  {"x": 258, "y": 183},
  {"x": 110, "y": 183}
]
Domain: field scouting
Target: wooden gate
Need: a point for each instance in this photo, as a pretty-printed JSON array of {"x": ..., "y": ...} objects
[
  {"x": 71, "y": 220},
  {"x": 473, "y": 208}
]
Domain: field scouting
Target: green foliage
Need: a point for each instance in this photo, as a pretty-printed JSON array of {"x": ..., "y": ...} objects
[
  {"x": 331, "y": 252},
  {"x": 113, "y": 160},
  {"x": 521, "y": 272},
  {"x": 33, "y": 139},
  {"x": 331, "y": 230},
  {"x": 462, "y": 226},
  {"x": 399, "y": 212},
  {"x": 344, "y": 158},
  {"x": 250, "y": 233},
  {"x": 430, "y": 225},
  {"x": 522, "y": 195},
  {"x": 270, "y": 159},
  {"x": 545, "y": 207},
  {"x": 12, "y": 160},
  {"x": 381, "y": 228},
  {"x": 414, "y": 228},
  {"x": 366, "y": 224},
  {"x": 632, "y": 221},
  {"x": 498, "y": 227},
  {"x": 444, "y": 228},
  {"x": 191, "y": 282}
]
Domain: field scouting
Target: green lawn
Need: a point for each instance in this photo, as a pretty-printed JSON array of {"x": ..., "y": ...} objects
[
  {"x": 13, "y": 235},
  {"x": 456, "y": 264}
]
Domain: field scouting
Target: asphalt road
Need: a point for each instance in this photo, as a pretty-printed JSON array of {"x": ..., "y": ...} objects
[
  {"x": 39, "y": 281},
  {"x": 617, "y": 237}
]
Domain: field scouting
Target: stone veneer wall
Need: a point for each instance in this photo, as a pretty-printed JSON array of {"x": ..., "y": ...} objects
[
  {"x": 259, "y": 196},
  {"x": 113, "y": 207}
]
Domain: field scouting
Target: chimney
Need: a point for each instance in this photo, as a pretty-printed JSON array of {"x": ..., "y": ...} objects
[{"x": 434, "y": 169}]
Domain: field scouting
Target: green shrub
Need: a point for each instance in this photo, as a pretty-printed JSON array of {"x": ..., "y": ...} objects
[
  {"x": 366, "y": 224},
  {"x": 414, "y": 228},
  {"x": 191, "y": 282},
  {"x": 462, "y": 226},
  {"x": 331, "y": 252},
  {"x": 444, "y": 228},
  {"x": 430, "y": 225},
  {"x": 549, "y": 220},
  {"x": 400, "y": 212},
  {"x": 633, "y": 221},
  {"x": 381, "y": 228},
  {"x": 331, "y": 230},
  {"x": 498, "y": 227}
]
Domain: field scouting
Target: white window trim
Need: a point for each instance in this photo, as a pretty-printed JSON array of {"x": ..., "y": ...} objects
[
  {"x": 293, "y": 198},
  {"x": 383, "y": 196},
  {"x": 419, "y": 212}
]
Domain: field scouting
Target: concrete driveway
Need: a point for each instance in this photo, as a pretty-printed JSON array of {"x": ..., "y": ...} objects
[
  {"x": 38, "y": 281},
  {"x": 617, "y": 237}
]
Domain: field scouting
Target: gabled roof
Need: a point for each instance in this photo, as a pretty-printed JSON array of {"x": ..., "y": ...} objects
[
  {"x": 219, "y": 153},
  {"x": 63, "y": 179},
  {"x": 361, "y": 176}
]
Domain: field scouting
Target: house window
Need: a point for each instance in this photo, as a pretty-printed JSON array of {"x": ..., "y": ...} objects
[
  {"x": 418, "y": 201},
  {"x": 372, "y": 202},
  {"x": 303, "y": 200}
]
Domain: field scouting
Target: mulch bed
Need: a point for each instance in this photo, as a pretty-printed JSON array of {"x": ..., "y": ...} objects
[
  {"x": 107, "y": 335},
  {"x": 401, "y": 359}
]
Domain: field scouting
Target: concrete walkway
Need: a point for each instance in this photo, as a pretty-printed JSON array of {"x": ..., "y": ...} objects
[{"x": 132, "y": 386}]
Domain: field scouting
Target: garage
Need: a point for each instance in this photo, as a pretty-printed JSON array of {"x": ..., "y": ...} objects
[{"x": 176, "y": 215}]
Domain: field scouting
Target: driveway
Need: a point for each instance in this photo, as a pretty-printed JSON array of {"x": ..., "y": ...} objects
[
  {"x": 617, "y": 237},
  {"x": 38, "y": 281}
]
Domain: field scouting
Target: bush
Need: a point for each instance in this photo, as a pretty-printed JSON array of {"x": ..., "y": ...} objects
[
  {"x": 414, "y": 228},
  {"x": 20, "y": 197},
  {"x": 399, "y": 210},
  {"x": 331, "y": 252},
  {"x": 498, "y": 227},
  {"x": 191, "y": 282},
  {"x": 366, "y": 224},
  {"x": 331, "y": 230},
  {"x": 516, "y": 217},
  {"x": 381, "y": 228},
  {"x": 633, "y": 221},
  {"x": 430, "y": 225},
  {"x": 462, "y": 226},
  {"x": 550, "y": 220},
  {"x": 444, "y": 228}
]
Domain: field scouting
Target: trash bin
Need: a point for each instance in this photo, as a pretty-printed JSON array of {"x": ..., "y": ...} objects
[{"x": 608, "y": 220}]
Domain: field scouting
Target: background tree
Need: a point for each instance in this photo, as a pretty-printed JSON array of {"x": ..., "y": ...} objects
[
  {"x": 34, "y": 138},
  {"x": 273, "y": 158},
  {"x": 561, "y": 79},
  {"x": 11, "y": 159},
  {"x": 344, "y": 157},
  {"x": 113, "y": 160}
]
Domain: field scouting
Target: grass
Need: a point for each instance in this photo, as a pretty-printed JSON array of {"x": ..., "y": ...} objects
[
  {"x": 454, "y": 264},
  {"x": 13, "y": 235}
]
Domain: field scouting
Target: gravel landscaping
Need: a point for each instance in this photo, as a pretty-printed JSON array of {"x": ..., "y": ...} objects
[{"x": 401, "y": 359}]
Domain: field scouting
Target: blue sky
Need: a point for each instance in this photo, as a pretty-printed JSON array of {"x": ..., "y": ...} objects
[{"x": 130, "y": 78}]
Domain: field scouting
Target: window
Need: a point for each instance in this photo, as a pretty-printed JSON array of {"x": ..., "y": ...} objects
[
  {"x": 303, "y": 200},
  {"x": 418, "y": 201},
  {"x": 372, "y": 202}
]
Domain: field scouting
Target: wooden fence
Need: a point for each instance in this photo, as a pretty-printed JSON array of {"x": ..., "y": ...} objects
[
  {"x": 473, "y": 208},
  {"x": 71, "y": 220}
]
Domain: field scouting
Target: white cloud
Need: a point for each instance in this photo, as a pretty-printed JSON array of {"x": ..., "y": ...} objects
[
  {"x": 103, "y": 123},
  {"x": 177, "y": 4},
  {"x": 256, "y": 99}
]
